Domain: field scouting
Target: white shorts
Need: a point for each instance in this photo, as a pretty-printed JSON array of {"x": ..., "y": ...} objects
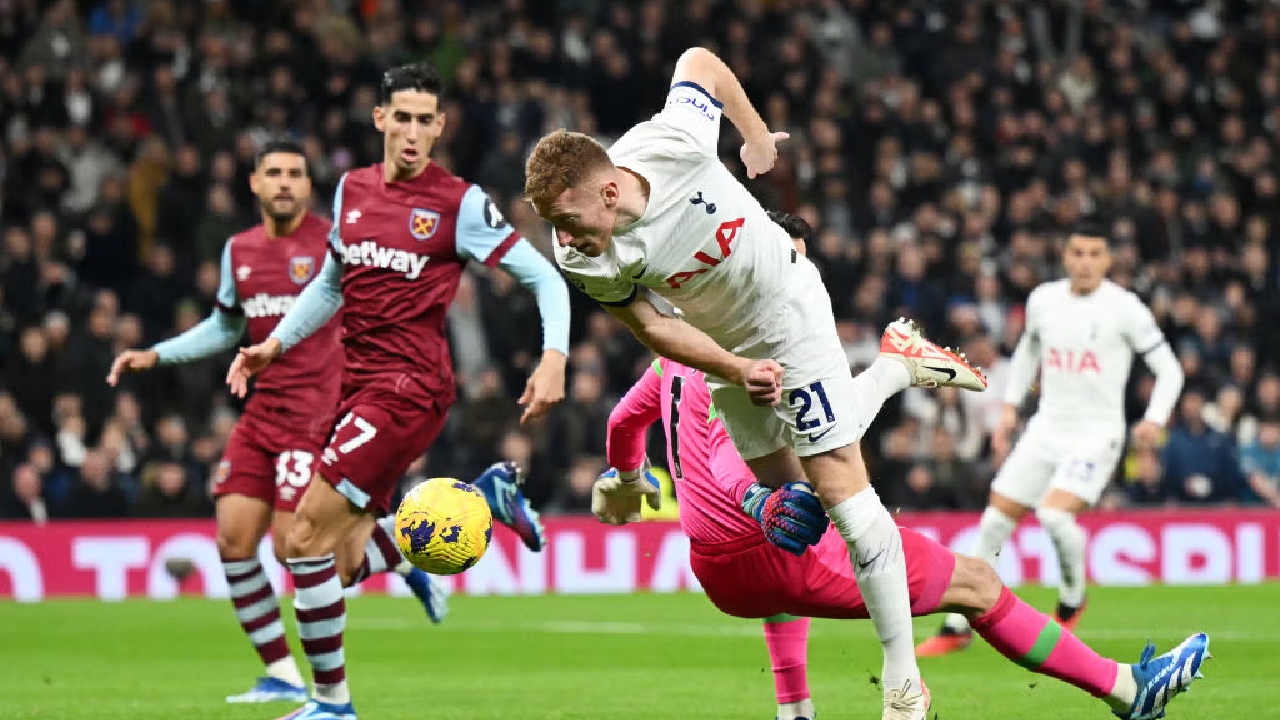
[
  {"x": 817, "y": 412},
  {"x": 1060, "y": 458}
]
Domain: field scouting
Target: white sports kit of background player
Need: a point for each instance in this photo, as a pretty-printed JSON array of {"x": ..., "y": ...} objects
[
  {"x": 1081, "y": 333},
  {"x": 659, "y": 214}
]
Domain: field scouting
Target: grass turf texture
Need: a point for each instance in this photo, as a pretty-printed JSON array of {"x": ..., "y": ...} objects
[{"x": 636, "y": 656}]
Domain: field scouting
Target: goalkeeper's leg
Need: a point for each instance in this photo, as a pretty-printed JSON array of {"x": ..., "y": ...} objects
[{"x": 788, "y": 638}]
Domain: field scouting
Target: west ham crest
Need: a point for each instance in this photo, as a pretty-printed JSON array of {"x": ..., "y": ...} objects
[
  {"x": 301, "y": 269},
  {"x": 222, "y": 473},
  {"x": 423, "y": 223}
]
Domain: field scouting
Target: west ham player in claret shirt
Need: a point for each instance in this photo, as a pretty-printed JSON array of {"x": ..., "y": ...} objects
[
  {"x": 273, "y": 451},
  {"x": 403, "y": 231}
]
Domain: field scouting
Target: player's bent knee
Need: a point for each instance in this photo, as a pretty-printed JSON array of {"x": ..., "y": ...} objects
[
  {"x": 975, "y": 587},
  {"x": 1055, "y": 520},
  {"x": 235, "y": 544}
]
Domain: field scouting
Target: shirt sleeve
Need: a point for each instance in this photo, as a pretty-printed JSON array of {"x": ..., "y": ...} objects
[
  {"x": 335, "y": 235},
  {"x": 1026, "y": 358},
  {"x": 483, "y": 234},
  {"x": 691, "y": 118},
  {"x": 638, "y": 409},
  {"x": 539, "y": 277},
  {"x": 228, "y": 299},
  {"x": 1141, "y": 330}
]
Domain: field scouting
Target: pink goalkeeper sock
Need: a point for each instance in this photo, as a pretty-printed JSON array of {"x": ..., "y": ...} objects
[
  {"x": 1034, "y": 641},
  {"x": 788, "y": 641}
]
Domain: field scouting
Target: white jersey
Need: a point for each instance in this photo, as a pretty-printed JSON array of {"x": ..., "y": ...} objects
[
  {"x": 1084, "y": 346},
  {"x": 704, "y": 243}
]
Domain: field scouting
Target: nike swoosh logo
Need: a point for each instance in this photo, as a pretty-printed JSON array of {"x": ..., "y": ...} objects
[
  {"x": 951, "y": 374},
  {"x": 815, "y": 437},
  {"x": 870, "y": 562},
  {"x": 640, "y": 274}
]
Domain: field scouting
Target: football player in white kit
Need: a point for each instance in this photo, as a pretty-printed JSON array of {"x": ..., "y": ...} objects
[
  {"x": 1081, "y": 333},
  {"x": 659, "y": 218}
]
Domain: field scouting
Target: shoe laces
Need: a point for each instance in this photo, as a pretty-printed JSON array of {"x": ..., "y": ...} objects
[{"x": 901, "y": 703}]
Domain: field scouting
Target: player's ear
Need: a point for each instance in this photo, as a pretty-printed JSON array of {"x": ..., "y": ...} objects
[
  {"x": 609, "y": 194},
  {"x": 379, "y": 118},
  {"x": 253, "y": 181}
]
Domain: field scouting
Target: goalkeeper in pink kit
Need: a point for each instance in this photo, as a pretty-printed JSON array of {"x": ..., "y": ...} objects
[{"x": 762, "y": 553}]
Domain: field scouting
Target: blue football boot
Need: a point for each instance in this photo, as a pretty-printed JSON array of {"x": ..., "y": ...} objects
[
  {"x": 270, "y": 689},
  {"x": 432, "y": 595},
  {"x": 500, "y": 483},
  {"x": 316, "y": 710},
  {"x": 1161, "y": 678}
]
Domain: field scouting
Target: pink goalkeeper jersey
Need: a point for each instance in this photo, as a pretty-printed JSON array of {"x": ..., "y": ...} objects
[{"x": 710, "y": 476}]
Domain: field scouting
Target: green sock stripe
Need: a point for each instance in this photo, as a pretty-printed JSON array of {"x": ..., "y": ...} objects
[
  {"x": 657, "y": 366},
  {"x": 1045, "y": 644},
  {"x": 780, "y": 618}
]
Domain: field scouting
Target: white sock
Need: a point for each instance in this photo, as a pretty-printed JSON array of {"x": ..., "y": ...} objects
[
  {"x": 1068, "y": 539},
  {"x": 796, "y": 710},
  {"x": 404, "y": 568},
  {"x": 994, "y": 530},
  {"x": 1125, "y": 690},
  {"x": 286, "y": 669},
  {"x": 872, "y": 387},
  {"x": 875, "y": 550},
  {"x": 336, "y": 694}
]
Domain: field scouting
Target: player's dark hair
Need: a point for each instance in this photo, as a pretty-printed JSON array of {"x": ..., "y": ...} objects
[
  {"x": 796, "y": 226},
  {"x": 416, "y": 76},
  {"x": 1090, "y": 227},
  {"x": 279, "y": 145}
]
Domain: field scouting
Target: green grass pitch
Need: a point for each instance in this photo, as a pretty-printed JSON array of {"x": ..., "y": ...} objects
[{"x": 625, "y": 657}]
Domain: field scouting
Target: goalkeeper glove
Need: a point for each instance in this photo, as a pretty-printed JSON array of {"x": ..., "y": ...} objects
[
  {"x": 615, "y": 496},
  {"x": 792, "y": 516}
]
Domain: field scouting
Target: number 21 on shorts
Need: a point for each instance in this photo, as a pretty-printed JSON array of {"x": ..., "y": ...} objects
[
  {"x": 350, "y": 433},
  {"x": 813, "y": 410}
]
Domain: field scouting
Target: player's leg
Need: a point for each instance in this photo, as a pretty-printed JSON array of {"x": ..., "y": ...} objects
[
  {"x": 245, "y": 490},
  {"x": 1057, "y": 515},
  {"x": 1018, "y": 486},
  {"x": 242, "y": 522},
  {"x": 1035, "y": 641},
  {"x": 500, "y": 483},
  {"x": 373, "y": 549},
  {"x": 787, "y": 637},
  {"x": 324, "y": 518},
  {"x": 877, "y": 561},
  {"x": 1076, "y": 485}
]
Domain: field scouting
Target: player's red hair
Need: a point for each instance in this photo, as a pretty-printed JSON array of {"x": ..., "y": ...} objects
[{"x": 560, "y": 161}]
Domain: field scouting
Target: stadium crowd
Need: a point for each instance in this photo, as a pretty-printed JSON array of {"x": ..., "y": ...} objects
[{"x": 940, "y": 150}]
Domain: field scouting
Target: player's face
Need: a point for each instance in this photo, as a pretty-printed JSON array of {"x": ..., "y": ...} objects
[
  {"x": 410, "y": 125},
  {"x": 1087, "y": 260},
  {"x": 282, "y": 185},
  {"x": 584, "y": 217}
]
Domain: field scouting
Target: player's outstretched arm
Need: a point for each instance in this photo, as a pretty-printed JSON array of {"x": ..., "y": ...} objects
[
  {"x": 675, "y": 339},
  {"x": 545, "y": 387},
  {"x": 701, "y": 67},
  {"x": 1164, "y": 394},
  {"x": 315, "y": 305},
  {"x": 216, "y": 333},
  {"x": 634, "y": 413}
]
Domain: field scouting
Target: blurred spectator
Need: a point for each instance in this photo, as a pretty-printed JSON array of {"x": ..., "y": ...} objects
[
  {"x": 1200, "y": 463},
  {"x": 99, "y": 492},
  {"x": 1260, "y": 460}
]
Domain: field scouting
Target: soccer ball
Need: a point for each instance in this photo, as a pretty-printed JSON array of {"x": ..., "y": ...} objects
[{"x": 443, "y": 526}]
